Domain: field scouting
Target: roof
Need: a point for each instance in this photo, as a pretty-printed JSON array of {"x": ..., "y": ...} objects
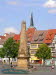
[
  {"x": 29, "y": 33},
  {"x": 17, "y": 37},
  {"x": 2, "y": 41},
  {"x": 50, "y": 36},
  {"x": 39, "y": 36},
  {"x": 5, "y": 38},
  {"x": 2, "y": 37},
  {"x": 33, "y": 36}
]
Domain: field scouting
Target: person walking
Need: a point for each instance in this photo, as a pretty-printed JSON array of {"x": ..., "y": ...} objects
[{"x": 11, "y": 65}]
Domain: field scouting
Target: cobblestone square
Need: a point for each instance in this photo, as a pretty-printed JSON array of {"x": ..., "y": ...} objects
[{"x": 38, "y": 71}]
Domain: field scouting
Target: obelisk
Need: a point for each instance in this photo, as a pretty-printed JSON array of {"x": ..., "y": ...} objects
[{"x": 23, "y": 55}]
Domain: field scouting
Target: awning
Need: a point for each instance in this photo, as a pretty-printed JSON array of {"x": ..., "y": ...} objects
[{"x": 34, "y": 58}]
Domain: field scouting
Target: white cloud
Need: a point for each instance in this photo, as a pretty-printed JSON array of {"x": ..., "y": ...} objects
[
  {"x": 10, "y": 29},
  {"x": 12, "y": 3},
  {"x": 52, "y": 11},
  {"x": 50, "y": 3}
]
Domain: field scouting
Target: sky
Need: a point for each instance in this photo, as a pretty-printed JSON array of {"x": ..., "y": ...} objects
[{"x": 13, "y": 12}]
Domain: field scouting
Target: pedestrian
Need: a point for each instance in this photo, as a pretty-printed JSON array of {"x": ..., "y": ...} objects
[
  {"x": 52, "y": 67},
  {"x": 11, "y": 65},
  {"x": 4, "y": 61},
  {"x": 31, "y": 66},
  {"x": 35, "y": 68}
]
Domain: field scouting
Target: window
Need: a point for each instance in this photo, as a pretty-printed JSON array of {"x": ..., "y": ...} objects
[
  {"x": 39, "y": 45},
  {"x": 41, "y": 40},
  {"x": 52, "y": 50},
  {"x": 46, "y": 38},
  {"x": 41, "y": 34},
  {"x": 33, "y": 52},
  {"x": 33, "y": 45},
  {"x": 13, "y": 59},
  {"x": 55, "y": 38},
  {"x": 36, "y": 40},
  {"x": 53, "y": 54},
  {"x": 53, "y": 44}
]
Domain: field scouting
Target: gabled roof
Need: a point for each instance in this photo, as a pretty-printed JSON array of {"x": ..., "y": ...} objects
[
  {"x": 39, "y": 36},
  {"x": 5, "y": 38},
  {"x": 2, "y": 37},
  {"x": 29, "y": 32},
  {"x": 50, "y": 36}
]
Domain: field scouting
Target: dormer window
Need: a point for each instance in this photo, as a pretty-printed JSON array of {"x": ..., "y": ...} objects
[
  {"x": 41, "y": 40},
  {"x": 47, "y": 39},
  {"x": 36, "y": 40},
  {"x": 41, "y": 34}
]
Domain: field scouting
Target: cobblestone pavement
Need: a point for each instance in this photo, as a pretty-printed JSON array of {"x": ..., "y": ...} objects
[{"x": 38, "y": 71}]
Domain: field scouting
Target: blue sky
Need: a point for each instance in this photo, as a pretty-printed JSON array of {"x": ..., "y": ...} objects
[{"x": 13, "y": 12}]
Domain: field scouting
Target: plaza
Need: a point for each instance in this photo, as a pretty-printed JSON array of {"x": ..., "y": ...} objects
[
  {"x": 39, "y": 71},
  {"x": 28, "y": 48}
]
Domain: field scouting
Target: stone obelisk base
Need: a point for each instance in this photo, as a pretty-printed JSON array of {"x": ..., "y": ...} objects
[{"x": 22, "y": 63}]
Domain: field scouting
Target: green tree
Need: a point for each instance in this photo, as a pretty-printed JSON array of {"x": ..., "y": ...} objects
[
  {"x": 10, "y": 48},
  {"x": 43, "y": 52},
  {"x": 2, "y": 54}
]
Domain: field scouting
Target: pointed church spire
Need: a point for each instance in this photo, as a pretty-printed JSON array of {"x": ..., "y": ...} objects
[{"x": 31, "y": 21}]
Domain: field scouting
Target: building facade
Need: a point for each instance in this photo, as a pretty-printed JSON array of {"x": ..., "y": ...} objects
[{"x": 34, "y": 39}]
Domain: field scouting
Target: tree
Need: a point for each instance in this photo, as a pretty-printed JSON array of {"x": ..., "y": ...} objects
[
  {"x": 10, "y": 48},
  {"x": 44, "y": 52},
  {"x": 2, "y": 54}
]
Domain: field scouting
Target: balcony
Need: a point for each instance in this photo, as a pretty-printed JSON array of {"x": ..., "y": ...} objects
[
  {"x": 53, "y": 50},
  {"x": 52, "y": 46},
  {"x": 53, "y": 54}
]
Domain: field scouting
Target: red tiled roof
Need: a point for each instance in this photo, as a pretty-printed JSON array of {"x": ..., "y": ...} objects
[
  {"x": 2, "y": 37},
  {"x": 17, "y": 37},
  {"x": 9, "y": 35},
  {"x": 29, "y": 33},
  {"x": 50, "y": 36},
  {"x": 39, "y": 36}
]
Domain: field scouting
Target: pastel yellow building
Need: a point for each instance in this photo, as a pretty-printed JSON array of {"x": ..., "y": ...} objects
[{"x": 33, "y": 49}]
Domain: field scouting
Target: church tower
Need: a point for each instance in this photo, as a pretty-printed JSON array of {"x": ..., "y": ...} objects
[{"x": 31, "y": 21}]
